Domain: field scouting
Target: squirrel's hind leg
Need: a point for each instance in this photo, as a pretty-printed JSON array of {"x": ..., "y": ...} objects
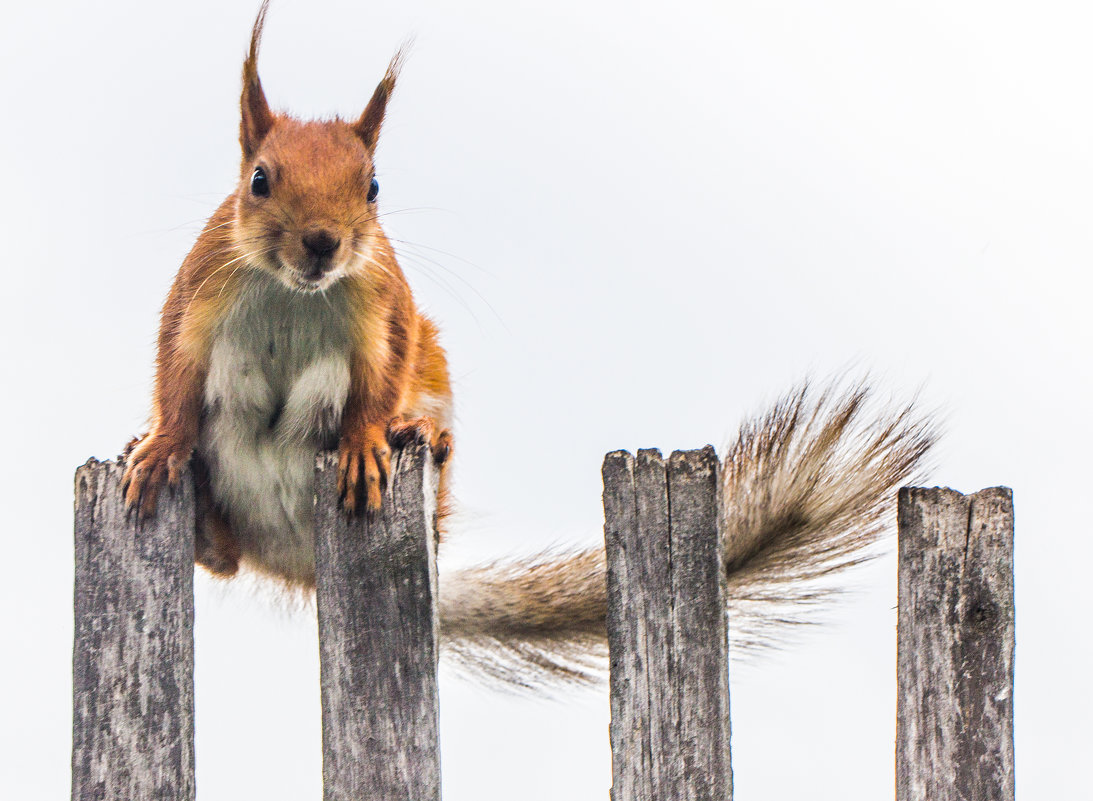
[{"x": 215, "y": 546}]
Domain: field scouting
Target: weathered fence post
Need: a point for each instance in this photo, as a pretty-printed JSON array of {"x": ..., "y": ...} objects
[
  {"x": 954, "y": 737},
  {"x": 667, "y": 627},
  {"x": 378, "y": 637},
  {"x": 133, "y": 655}
]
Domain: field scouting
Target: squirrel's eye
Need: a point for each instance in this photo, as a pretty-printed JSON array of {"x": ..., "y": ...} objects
[
  {"x": 259, "y": 183},
  {"x": 373, "y": 190}
]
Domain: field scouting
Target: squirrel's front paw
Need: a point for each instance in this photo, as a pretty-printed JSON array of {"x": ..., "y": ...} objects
[
  {"x": 150, "y": 462},
  {"x": 364, "y": 460},
  {"x": 421, "y": 431}
]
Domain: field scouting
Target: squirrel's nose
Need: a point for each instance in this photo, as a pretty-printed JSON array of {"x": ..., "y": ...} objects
[{"x": 320, "y": 243}]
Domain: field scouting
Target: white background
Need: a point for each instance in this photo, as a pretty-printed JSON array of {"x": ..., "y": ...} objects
[{"x": 659, "y": 217}]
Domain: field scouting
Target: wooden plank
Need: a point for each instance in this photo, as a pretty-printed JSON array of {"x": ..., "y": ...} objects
[
  {"x": 635, "y": 500},
  {"x": 667, "y": 628},
  {"x": 954, "y": 737},
  {"x": 133, "y": 654},
  {"x": 700, "y": 625},
  {"x": 376, "y": 595}
]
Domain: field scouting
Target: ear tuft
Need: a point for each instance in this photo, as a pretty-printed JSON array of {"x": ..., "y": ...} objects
[
  {"x": 256, "y": 119},
  {"x": 371, "y": 119}
]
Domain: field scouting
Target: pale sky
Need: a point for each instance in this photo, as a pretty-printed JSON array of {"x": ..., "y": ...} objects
[{"x": 634, "y": 224}]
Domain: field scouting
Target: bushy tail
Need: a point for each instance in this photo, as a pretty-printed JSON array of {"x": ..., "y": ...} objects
[{"x": 807, "y": 488}]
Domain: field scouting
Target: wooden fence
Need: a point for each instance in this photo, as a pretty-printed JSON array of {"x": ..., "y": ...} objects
[{"x": 133, "y": 720}]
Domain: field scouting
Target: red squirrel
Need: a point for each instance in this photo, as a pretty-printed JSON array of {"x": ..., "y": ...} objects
[{"x": 290, "y": 328}]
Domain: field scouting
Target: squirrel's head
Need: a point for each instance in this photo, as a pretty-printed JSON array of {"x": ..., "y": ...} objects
[{"x": 306, "y": 201}]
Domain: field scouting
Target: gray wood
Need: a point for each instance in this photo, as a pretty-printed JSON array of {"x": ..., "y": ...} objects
[
  {"x": 700, "y": 625},
  {"x": 954, "y": 738},
  {"x": 133, "y": 655},
  {"x": 667, "y": 628},
  {"x": 378, "y": 645}
]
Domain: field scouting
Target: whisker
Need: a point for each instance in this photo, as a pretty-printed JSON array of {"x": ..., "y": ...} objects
[
  {"x": 209, "y": 230},
  {"x": 442, "y": 253},
  {"x": 408, "y": 258},
  {"x": 233, "y": 272},
  {"x": 201, "y": 220},
  {"x": 248, "y": 255},
  {"x": 450, "y": 290},
  {"x": 202, "y": 284},
  {"x": 369, "y": 260},
  {"x": 285, "y": 218},
  {"x": 375, "y": 216},
  {"x": 458, "y": 277}
]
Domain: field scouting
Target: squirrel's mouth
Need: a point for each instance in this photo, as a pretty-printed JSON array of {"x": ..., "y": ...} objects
[
  {"x": 312, "y": 276},
  {"x": 319, "y": 283}
]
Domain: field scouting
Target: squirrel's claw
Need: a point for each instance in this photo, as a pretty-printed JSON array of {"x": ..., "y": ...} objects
[
  {"x": 364, "y": 462},
  {"x": 150, "y": 462},
  {"x": 364, "y": 459},
  {"x": 421, "y": 431}
]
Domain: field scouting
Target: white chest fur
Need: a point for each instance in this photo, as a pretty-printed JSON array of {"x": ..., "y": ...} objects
[{"x": 278, "y": 380}]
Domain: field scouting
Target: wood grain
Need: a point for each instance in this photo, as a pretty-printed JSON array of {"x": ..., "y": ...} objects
[
  {"x": 956, "y": 645},
  {"x": 378, "y": 646},
  {"x": 133, "y": 654},
  {"x": 667, "y": 628}
]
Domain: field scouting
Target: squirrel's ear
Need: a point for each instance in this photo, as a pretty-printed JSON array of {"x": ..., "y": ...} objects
[
  {"x": 256, "y": 119},
  {"x": 368, "y": 126}
]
